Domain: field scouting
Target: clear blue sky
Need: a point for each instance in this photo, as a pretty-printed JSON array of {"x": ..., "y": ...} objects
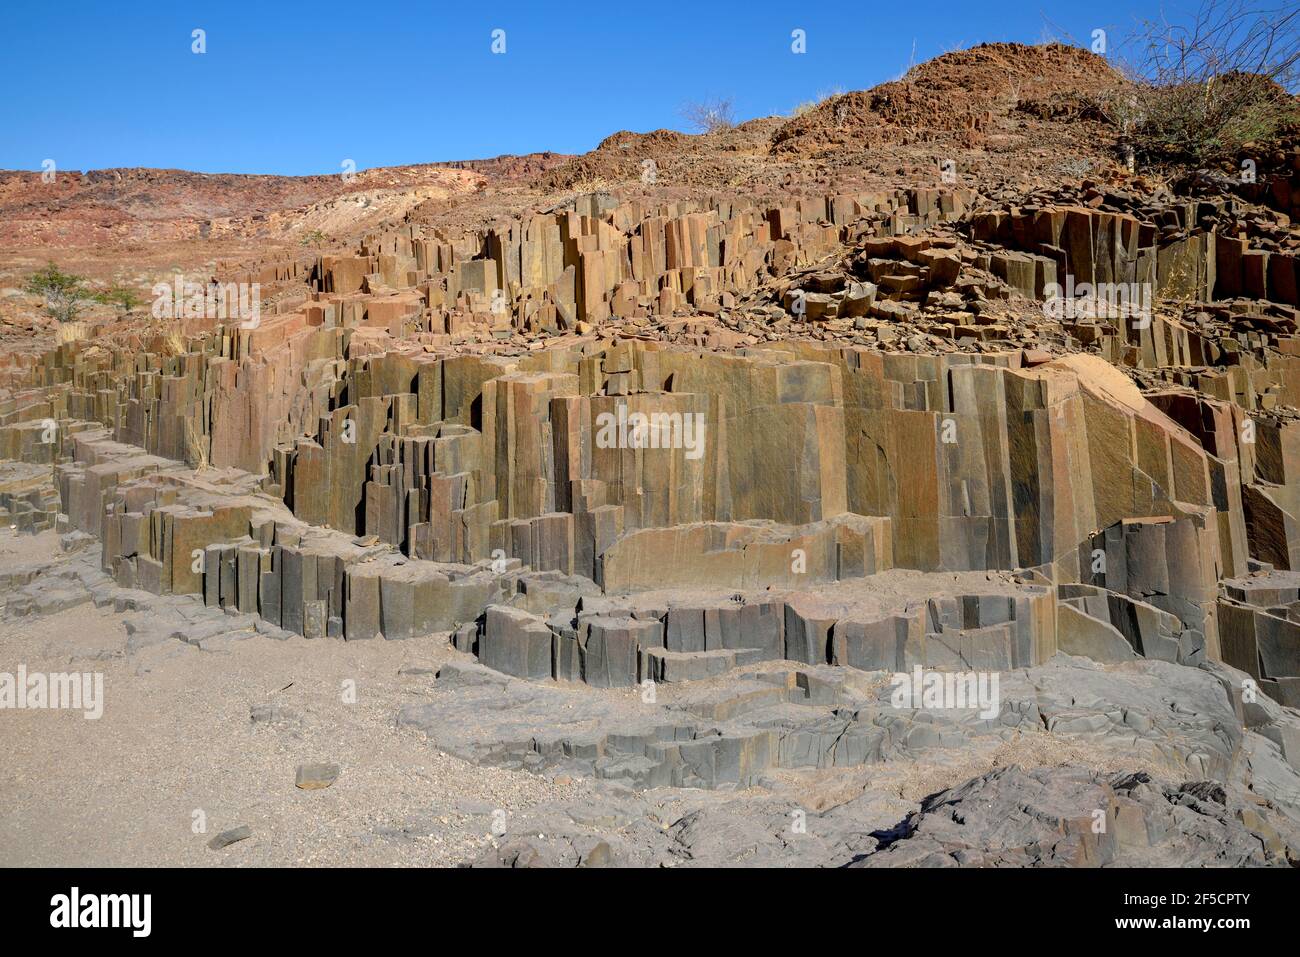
[{"x": 296, "y": 88}]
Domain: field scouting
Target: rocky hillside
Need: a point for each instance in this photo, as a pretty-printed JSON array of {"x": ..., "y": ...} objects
[{"x": 909, "y": 468}]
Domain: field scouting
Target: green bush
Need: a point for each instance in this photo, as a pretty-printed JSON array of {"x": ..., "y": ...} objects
[
  {"x": 123, "y": 298},
  {"x": 1198, "y": 124},
  {"x": 64, "y": 293}
]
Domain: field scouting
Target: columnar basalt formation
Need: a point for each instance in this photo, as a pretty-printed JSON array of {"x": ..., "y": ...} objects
[
  {"x": 904, "y": 482},
  {"x": 380, "y": 453},
  {"x": 746, "y": 456}
]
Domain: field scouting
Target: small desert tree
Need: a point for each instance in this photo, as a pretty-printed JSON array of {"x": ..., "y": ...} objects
[
  {"x": 64, "y": 293},
  {"x": 710, "y": 116},
  {"x": 1198, "y": 90}
]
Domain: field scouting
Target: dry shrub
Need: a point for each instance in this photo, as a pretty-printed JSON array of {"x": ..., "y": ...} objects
[
  {"x": 196, "y": 448},
  {"x": 1197, "y": 92},
  {"x": 72, "y": 332},
  {"x": 710, "y": 116}
]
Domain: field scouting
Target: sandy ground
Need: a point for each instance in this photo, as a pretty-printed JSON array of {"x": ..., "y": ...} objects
[
  {"x": 176, "y": 738},
  {"x": 178, "y": 757}
]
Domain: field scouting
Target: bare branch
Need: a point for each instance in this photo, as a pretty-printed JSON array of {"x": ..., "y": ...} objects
[{"x": 710, "y": 116}]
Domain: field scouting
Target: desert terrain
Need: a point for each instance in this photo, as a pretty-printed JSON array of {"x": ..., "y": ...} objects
[{"x": 913, "y": 480}]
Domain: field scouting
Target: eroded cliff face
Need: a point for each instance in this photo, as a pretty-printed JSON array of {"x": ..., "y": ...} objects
[
  {"x": 400, "y": 439},
  {"x": 747, "y": 455}
]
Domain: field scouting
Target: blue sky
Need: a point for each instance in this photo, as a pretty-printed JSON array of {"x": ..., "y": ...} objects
[{"x": 297, "y": 88}]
